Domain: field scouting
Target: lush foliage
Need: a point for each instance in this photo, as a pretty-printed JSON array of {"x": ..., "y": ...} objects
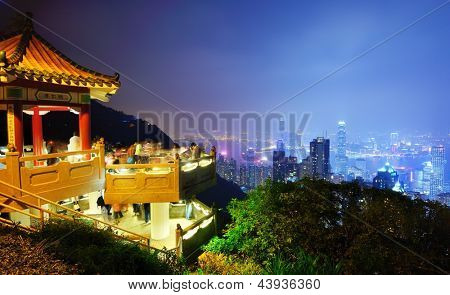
[
  {"x": 220, "y": 264},
  {"x": 98, "y": 252},
  {"x": 318, "y": 227}
]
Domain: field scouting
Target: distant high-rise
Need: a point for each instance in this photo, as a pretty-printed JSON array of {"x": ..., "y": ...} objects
[
  {"x": 395, "y": 142},
  {"x": 341, "y": 153},
  {"x": 426, "y": 177},
  {"x": 280, "y": 145},
  {"x": 284, "y": 168},
  {"x": 302, "y": 153},
  {"x": 438, "y": 164},
  {"x": 394, "y": 138},
  {"x": 278, "y": 166},
  {"x": 361, "y": 164},
  {"x": 292, "y": 169},
  {"x": 243, "y": 175},
  {"x": 341, "y": 140},
  {"x": 320, "y": 158},
  {"x": 386, "y": 178},
  {"x": 305, "y": 168},
  {"x": 226, "y": 168}
]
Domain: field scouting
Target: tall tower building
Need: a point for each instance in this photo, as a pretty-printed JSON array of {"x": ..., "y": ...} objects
[
  {"x": 320, "y": 158},
  {"x": 438, "y": 164},
  {"x": 394, "y": 141},
  {"x": 341, "y": 154},
  {"x": 386, "y": 177},
  {"x": 278, "y": 166},
  {"x": 361, "y": 164},
  {"x": 280, "y": 145},
  {"x": 394, "y": 138},
  {"x": 426, "y": 177}
]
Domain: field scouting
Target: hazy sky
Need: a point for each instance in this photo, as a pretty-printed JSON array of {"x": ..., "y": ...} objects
[{"x": 251, "y": 55}]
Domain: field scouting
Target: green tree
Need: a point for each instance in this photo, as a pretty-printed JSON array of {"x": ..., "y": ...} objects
[{"x": 337, "y": 226}]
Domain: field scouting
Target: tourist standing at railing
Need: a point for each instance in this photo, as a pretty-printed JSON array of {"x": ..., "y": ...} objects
[
  {"x": 109, "y": 158},
  {"x": 74, "y": 145},
  {"x": 147, "y": 212},
  {"x": 188, "y": 153},
  {"x": 131, "y": 158},
  {"x": 196, "y": 151},
  {"x": 117, "y": 212},
  {"x": 138, "y": 152},
  {"x": 148, "y": 150},
  {"x": 175, "y": 151},
  {"x": 104, "y": 208},
  {"x": 51, "y": 148}
]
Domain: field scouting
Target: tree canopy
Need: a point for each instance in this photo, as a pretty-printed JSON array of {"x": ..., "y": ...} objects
[{"x": 357, "y": 230}]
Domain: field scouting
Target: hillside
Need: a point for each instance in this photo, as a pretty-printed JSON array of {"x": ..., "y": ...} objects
[{"x": 21, "y": 255}]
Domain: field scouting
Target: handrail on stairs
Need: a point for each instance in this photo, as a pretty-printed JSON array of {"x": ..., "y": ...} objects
[{"x": 146, "y": 240}]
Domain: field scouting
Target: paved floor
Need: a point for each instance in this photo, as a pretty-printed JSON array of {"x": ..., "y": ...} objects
[{"x": 136, "y": 224}]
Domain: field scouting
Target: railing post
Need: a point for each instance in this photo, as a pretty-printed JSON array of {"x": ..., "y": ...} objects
[
  {"x": 214, "y": 210},
  {"x": 13, "y": 168},
  {"x": 101, "y": 158},
  {"x": 178, "y": 181},
  {"x": 178, "y": 240},
  {"x": 101, "y": 154},
  {"x": 41, "y": 214}
]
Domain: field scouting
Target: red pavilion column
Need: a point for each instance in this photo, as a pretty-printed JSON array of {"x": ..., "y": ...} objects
[
  {"x": 38, "y": 138},
  {"x": 85, "y": 126},
  {"x": 15, "y": 126}
]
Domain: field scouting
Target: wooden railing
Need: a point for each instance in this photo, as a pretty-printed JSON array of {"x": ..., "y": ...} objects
[
  {"x": 193, "y": 237},
  {"x": 131, "y": 236},
  {"x": 142, "y": 183},
  {"x": 75, "y": 174},
  {"x": 158, "y": 182}
]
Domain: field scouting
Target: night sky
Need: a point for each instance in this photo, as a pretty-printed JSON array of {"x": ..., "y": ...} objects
[{"x": 251, "y": 55}]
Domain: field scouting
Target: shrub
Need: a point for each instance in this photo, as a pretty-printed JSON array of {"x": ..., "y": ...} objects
[
  {"x": 220, "y": 264},
  {"x": 99, "y": 252},
  {"x": 301, "y": 264},
  {"x": 319, "y": 227}
]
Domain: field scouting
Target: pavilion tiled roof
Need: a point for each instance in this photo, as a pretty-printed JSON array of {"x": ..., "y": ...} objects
[{"x": 26, "y": 55}]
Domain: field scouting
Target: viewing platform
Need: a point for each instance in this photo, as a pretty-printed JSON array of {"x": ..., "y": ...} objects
[
  {"x": 169, "y": 181},
  {"x": 82, "y": 172}
]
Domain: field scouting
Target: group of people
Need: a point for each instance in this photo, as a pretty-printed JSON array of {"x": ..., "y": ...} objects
[
  {"x": 149, "y": 152},
  {"x": 118, "y": 209}
]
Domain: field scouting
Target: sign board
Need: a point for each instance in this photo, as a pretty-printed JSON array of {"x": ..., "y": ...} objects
[
  {"x": 53, "y": 96},
  {"x": 14, "y": 93},
  {"x": 10, "y": 123}
]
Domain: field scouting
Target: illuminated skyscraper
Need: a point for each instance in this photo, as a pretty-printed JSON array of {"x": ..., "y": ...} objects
[
  {"x": 320, "y": 158},
  {"x": 394, "y": 141},
  {"x": 280, "y": 145},
  {"x": 226, "y": 168},
  {"x": 361, "y": 164},
  {"x": 386, "y": 177},
  {"x": 394, "y": 138},
  {"x": 278, "y": 165},
  {"x": 426, "y": 178},
  {"x": 438, "y": 164},
  {"x": 341, "y": 154}
]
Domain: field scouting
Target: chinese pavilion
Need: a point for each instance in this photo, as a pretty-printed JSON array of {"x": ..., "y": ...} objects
[{"x": 36, "y": 78}]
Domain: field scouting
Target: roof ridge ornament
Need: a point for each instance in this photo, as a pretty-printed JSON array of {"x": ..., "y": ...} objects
[
  {"x": 28, "y": 21},
  {"x": 22, "y": 46}
]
